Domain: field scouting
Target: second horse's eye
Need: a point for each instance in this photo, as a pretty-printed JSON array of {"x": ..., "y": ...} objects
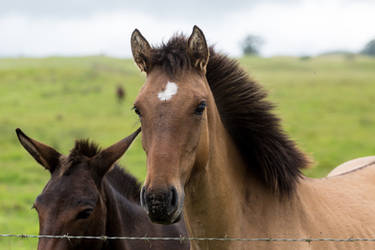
[
  {"x": 136, "y": 110},
  {"x": 84, "y": 214},
  {"x": 200, "y": 108}
]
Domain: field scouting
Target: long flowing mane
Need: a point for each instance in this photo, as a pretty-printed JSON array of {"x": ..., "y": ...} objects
[
  {"x": 247, "y": 116},
  {"x": 123, "y": 182}
]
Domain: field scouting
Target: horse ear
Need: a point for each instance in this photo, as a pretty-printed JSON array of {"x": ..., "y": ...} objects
[
  {"x": 141, "y": 50},
  {"x": 107, "y": 157},
  {"x": 43, "y": 154},
  {"x": 198, "y": 49}
]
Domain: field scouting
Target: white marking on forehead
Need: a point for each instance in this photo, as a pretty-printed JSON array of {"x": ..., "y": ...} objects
[{"x": 169, "y": 91}]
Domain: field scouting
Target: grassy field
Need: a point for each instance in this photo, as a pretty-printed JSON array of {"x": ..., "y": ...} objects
[{"x": 327, "y": 105}]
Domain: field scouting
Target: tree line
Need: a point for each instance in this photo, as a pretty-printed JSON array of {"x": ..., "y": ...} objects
[{"x": 252, "y": 44}]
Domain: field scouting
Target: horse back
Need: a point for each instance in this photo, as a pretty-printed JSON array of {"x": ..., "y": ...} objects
[{"x": 352, "y": 165}]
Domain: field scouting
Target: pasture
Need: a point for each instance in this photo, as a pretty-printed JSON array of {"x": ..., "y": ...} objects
[{"x": 326, "y": 104}]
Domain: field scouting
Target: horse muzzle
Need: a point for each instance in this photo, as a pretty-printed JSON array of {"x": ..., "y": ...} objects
[{"x": 162, "y": 206}]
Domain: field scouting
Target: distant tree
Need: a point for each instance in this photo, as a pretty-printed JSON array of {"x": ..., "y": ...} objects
[
  {"x": 369, "y": 49},
  {"x": 251, "y": 45}
]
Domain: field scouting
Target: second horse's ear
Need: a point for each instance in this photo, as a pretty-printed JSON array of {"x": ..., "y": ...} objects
[
  {"x": 45, "y": 155},
  {"x": 141, "y": 50},
  {"x": 198, "y": 49},
  {"x": 107, "y": 157}
]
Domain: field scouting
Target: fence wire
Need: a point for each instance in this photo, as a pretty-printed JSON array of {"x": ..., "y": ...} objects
[{"x": 183, "y": 238}]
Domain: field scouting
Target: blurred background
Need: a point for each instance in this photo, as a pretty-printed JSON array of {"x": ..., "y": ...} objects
[
  {"x": 66, "y": 72},
  {"x": 81, "y": 27}
]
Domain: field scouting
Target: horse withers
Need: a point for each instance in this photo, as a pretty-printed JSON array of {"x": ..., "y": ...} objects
[
  {"x": 88, "y": 195},
  {"x": 216, "y": 151}
]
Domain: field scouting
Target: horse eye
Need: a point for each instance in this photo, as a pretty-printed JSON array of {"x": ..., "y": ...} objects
[
  {"x": 200, "y": 108},
  {"x": 84, "y": 214},
  {"x": 136, "y": 110}
]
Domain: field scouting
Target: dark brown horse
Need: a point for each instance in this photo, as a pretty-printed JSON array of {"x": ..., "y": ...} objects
[
  {"x": 216, "y": 150},
  {"x": 87, "y": 195}
]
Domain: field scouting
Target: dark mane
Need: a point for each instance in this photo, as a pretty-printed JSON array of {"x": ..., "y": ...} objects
[
  {"x": 122, "y": 181},
  {"x": 247, "y": 116},
  {"x": 85, "y": 147}
]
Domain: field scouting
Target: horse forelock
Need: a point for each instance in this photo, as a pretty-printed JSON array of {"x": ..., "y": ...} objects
[
  {"x": 172, "y": 56},
  {"x": 84, "y": 147},
  {"x": 126, "y": 184}
]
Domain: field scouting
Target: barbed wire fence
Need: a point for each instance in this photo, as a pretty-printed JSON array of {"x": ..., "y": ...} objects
[{"x": 184, "y": 238}]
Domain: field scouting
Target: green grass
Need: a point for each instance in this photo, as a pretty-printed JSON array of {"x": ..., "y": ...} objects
[{"x": 326, "y": 104}]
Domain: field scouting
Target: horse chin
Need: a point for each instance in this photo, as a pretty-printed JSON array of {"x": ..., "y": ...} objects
[{"x": 167, "y": 220}]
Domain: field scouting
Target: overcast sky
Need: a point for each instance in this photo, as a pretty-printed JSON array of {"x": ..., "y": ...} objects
[{"x": 85, "y": 27}]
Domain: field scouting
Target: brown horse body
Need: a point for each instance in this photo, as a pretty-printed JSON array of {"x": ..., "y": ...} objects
[
  {"x": 86, "y": 196},
  {"x": 214, "y": 148}
]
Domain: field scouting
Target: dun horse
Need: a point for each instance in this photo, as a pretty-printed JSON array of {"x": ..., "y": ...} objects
[
  {"x": 215, "y": 148},
  {"x": 87, "y": 196}
]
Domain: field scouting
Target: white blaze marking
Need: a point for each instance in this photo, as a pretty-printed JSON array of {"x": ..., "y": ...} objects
[{"x": 169, "y": 91}]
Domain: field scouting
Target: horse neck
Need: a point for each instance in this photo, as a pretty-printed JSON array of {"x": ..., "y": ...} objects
[
  {"x": 228, "y": 194},
  {"x": 121, "y": 217},
  {"x": 111, "y": 201},
  {"x": 219, "y": 183},
  {"x": 127, "y": 218}
]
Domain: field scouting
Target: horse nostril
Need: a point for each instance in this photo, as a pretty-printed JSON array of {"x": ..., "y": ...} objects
[
  {"x": 173, "y": 200},
  {"x": 143, "y": 198}
]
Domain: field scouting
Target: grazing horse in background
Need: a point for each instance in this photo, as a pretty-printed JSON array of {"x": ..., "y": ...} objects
[
  {"x": 215, "y": 148},
  {"x": 88, "y": 195},
  {"x": 120, "y": 93}
]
